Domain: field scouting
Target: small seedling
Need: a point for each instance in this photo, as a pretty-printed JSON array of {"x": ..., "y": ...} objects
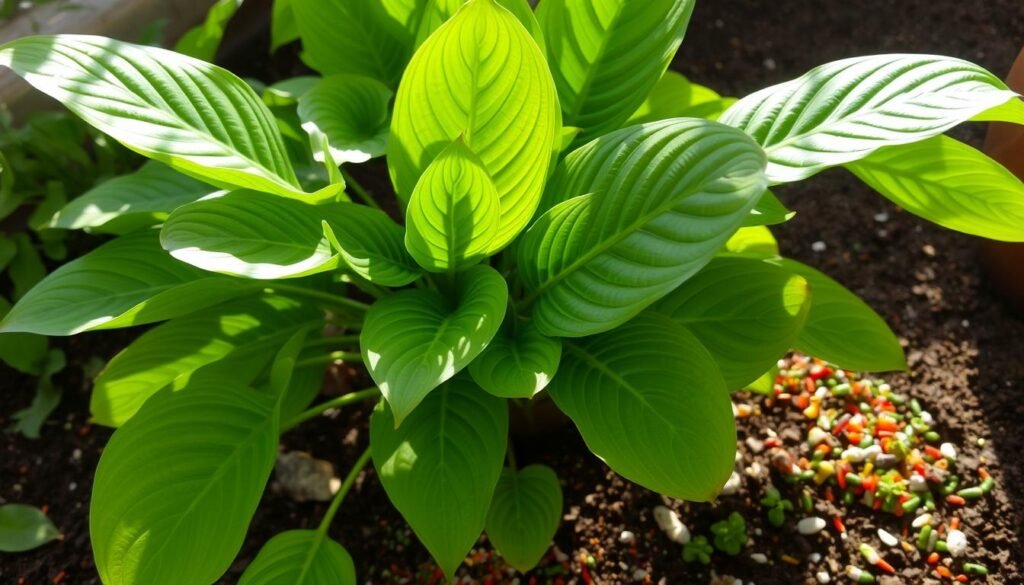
[{"x": 730, "y": 534}]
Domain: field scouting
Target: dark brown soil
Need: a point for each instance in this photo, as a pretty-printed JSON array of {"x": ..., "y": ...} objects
[{"x": 965, "y": 349}]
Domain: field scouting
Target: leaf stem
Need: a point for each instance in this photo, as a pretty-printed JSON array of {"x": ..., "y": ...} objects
[
  {"x": 359, "y": 190},
  {"x": 511, "y": 456},
  {"x": 346, "y": 485},
  {"x": 334, "y": 356},
  {"x": 339, "y": 402},
  {"x": 320, "y": 295}
]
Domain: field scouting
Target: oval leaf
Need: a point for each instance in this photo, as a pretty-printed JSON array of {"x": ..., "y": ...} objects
[
  {"x": 454, "y": 212},
  {"x": 300, "y": 557},
  {"x": 24, "y": 528},
  {"x": 437, "y": 12},
  {"x": 122, "y": 204},
  {"x": 250, "y": 234},
  {"x": 768, "y": 211},
  {"x": 661, "y": 199},
  {"x": 169, "y": 354},
  {"x": 757, "y": 241},
  {"x": 649, "y": 401},
  {"x": 194, "y": 116},
  {"x": 441, "y": 466},
  {"x": 350, "y": 36},
  {"x": 607, "y": 55},
  {"x": 352, "y": 112},
  {"x": 524, "y": 515},
  {"x": 484, "y": 76},
  {"x": 747, "y": 313},
  {"x": 951, "y": 184},
  {"x": 372, "y": 245},
  {"x": 129, "y": 281},
  {"x": 866, "y": 343},
  {"x": 178, "y": 484},
  {"x": 415, "y": 340},
  {"x": 843, "y": 111},
  {"x": 517, "y": 364}
]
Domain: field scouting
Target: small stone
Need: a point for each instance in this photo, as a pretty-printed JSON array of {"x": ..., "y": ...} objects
[
  {"x": 886, "y": 461},
  {"x": 811, "y": 525},
  {"x": 814, "y": 558},
  {"x": 304, "y": 478},
  {"x": 887, "y": 538},
  {"x": 823, "y": 577},
  {"x": 882, "y": 217},
  {"x": 72, "y": 486},
  {"x": 917, "y": 483},
  {"x": 754, "y": 444},
  {"x": 872, "y": 452},
  {"x": 671, "y": 525},
  {"x": 639, "y": 575},
  {"x": 816, "y": 436},
  {"x": 770, "y": 64},
  {"x": 956, "y": 543},
  {"x": 948, "y": 450},
  {"x": 853, "y": 454},
  {"x": 627, "y": 537},
  {"x": 76, "y": 455},
  {"x": 921, "y": 520},
  {"x": 819, "y": 246},
  {"x": 759, "y": 558},
  {"x": 732, "y": 487}
]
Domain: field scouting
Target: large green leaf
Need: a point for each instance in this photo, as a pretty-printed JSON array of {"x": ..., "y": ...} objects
[
  {"x": 607, "y": 55},
  {"x": 372, "y": 245},
  {"x": 756, "y": 240},
  {"x": 768, "y": 211},
  {"x": 251, "y": 234},
  {"x": 843, "y": 111},
  {"x": 486, "y": 81},
  {"x": 283, "y": 27},
  {"x": 178, "y": 484},
  {"x": 350, "y": 36},
  {"x": 437, "y": 12},
  {"x": 141, "y": 199},
  {"x": 415, "y": 340},
  {"x": 194, "y": 116},
  {"x": 129, "y": 281},
  {"x": 352, "y": 112},
  {"x": 951, "y": 184},
  {"x": 746, "y": 312},
  {"x": 652, "y": 205},
  {"x": 524, "y": 515},
  {"x": 300, "y": 557},
  {"x": 453, "y": 213},
  {"x": 676, "y": 96},
  {"x": 518, "y": 363},
  {"x": 441, "y": 466},
  {"x": 649, "y": 401},
  {"x": 24, "y": 528},
  {"x": 843, "y": 329},
  {"x": 246, "y": 332}
]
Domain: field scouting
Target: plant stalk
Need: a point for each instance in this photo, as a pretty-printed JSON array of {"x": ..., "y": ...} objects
[
  {"x": 346, "y": 485},
  {"x": 320, "y": 295},
  {"x": 339, "y": 402}
]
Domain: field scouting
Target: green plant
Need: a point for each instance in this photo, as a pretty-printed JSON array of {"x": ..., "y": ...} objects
[
  {"x": 730, "y": 534},
  {"x": 575, "y": 229},
  {"x": 698, "y": 550}
]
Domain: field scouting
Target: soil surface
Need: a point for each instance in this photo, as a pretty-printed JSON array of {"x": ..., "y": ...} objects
[{"x": 964, "y": 349}]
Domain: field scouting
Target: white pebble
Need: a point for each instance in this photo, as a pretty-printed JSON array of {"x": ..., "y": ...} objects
[
  {"x": 816, "y": 436},
  {"x": 814, "y": 557},
  {"x": 819, "y": 246},
  {"x": 627, "y": 537},
  {"x": 873, "y": 451},
  {"x": 854, "y": 454},
  {"x": 76, "y": 455},
  {"x": 948, "y": 450},
  {"x": 72, "y": 486},
  {"x": 671, "y": 525},
  {"x": 759, "y": 558},
  {"x": 926, "y": 418},
  {"x": 887, "y": 538},
  {"x": 639, "y": 575},
  {"x": 918, "y": 483},
  {"x": 732, "y": 486},
  {"x": 922, "y": 520},
  {"x": 811, "y": 525},
  {"x": 823, "y": 577},
  {"x": 956, "y": 542},
  {"x": 882, "y": 217}
]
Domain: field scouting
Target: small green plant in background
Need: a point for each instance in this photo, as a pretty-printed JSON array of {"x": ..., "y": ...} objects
[{"x": 577, "y": 225}]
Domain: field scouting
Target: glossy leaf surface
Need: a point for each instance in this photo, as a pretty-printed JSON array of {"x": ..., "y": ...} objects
[
  {"x": 352, "y": 112},
  {"x": 525, "y": 514},
  {"x": 372, "y": 245},
  {"x": 300, "y": 557},
  {"x": 517, "y": 364}
]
